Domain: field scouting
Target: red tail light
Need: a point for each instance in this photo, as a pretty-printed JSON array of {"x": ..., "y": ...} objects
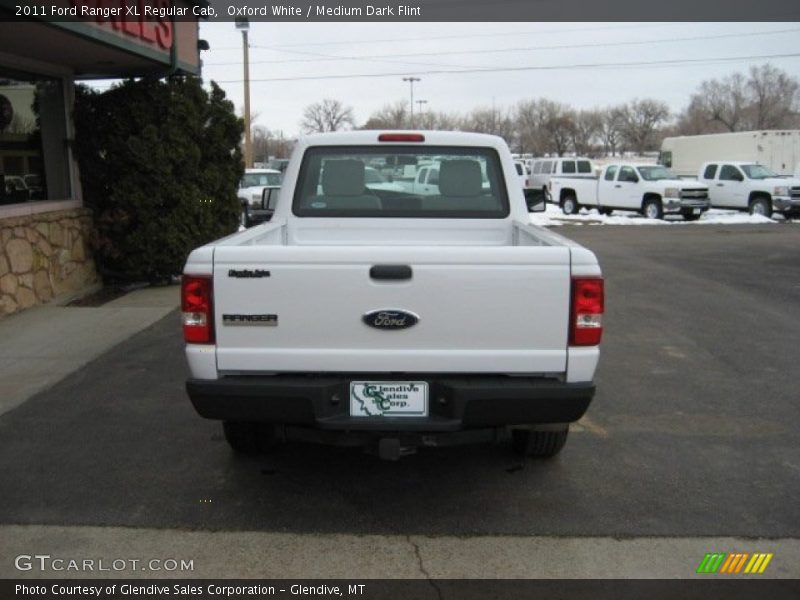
[
  {"x": 401, "y": 137},
  {"x": 197, "y": 307},
  {"x": 586, "y": 314}
]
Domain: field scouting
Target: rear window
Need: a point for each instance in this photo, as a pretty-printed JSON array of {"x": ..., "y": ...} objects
[
  {"x": 568, "y": 166},
  {"x": 463, "y": 183},
  {"x": 584, "y": 166},
  {"x": 259, "y": 179}
]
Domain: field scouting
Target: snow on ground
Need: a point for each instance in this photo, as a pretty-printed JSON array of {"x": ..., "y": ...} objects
[{"x": 554, "y": 217}]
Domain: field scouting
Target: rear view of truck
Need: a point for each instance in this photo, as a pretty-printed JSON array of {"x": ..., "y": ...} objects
[{"x": 383, "y": 317}]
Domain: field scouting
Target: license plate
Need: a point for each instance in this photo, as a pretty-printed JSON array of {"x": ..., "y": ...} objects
[
  {"x": 696, "y": 211},
  {"x": 388, "y": 399}
]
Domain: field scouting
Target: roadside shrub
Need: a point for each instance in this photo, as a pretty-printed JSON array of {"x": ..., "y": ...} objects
[{"x": 159, "y": 163}]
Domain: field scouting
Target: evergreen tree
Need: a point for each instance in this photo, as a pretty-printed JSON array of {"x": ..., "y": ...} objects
[{"x": 160, "y": 163}]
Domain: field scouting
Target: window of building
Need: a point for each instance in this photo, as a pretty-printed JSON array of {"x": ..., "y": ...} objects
[{"x": 33, "y": 145}]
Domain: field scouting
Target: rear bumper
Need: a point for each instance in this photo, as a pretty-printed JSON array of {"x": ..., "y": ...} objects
[{"x": 455, "y": 403}]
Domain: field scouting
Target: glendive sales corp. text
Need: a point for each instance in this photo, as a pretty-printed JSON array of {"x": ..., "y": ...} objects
[
  {"x": 183, "y": 590},
  {"x": 324, "y": 10}
]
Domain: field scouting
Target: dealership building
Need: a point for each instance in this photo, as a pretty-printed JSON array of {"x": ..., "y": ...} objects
[{"x": 45, "y": 229}]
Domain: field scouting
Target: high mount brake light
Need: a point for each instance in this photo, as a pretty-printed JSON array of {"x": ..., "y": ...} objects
[
  {"x": 197, "y": 309},
  {"x": 586, "y": 311},
  {"x": 401, "y": 137}
]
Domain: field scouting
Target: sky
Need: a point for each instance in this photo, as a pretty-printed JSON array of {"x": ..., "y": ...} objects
[{"x": 586, "y": 65}]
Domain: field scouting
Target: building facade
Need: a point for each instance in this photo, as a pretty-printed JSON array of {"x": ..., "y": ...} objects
[{"x": 45, "y": 230}]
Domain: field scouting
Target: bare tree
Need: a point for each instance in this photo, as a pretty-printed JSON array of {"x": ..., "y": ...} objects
[
  {"x": 391, "y": 116},
  {"x": 491, "y": 120},
  {"x": 775, "y": 98},
  {"x": 611, "y": 129},
  {"x": 640, "y": 120},
  {"x": 767, "y": 98},
  {"x": 586, "y": 126},
  {"x": 328, "y": 115},
  {"x": 557, "y": 122},
  {"x": 527, "y": 117}
]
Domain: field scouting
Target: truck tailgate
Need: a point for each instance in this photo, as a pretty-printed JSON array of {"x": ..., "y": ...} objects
[{"x": 480, "y": 309}]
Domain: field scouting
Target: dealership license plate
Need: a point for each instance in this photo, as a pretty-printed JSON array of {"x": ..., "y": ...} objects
[{"x": 388, "y": 399}]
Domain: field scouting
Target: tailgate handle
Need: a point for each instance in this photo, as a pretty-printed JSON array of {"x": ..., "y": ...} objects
[{"x": 391, "y": 272}]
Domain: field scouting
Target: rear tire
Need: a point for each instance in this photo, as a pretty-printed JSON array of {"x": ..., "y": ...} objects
[
  {"x": 761, "y": 206},
  {"x": 605, "y": 211},
  {"x": 569, "y": 205},
  {"x": 250, "y": 438},
  {"x": 652, "y": 209},
  {"x": 539, "y": 444},
  {"x": 691, "y": 217}
]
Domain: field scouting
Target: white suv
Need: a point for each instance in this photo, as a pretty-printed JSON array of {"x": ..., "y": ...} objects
[{"x": 544, "y": 168}]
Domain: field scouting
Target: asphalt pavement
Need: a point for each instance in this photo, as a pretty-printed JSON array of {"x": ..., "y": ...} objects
[{"x": 692, "y": 437}]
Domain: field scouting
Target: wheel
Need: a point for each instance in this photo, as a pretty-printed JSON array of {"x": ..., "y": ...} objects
[
  {"x": 652, "y": 209},
  {"x": 690, "y": 217},
  {"x": 539, "y": 444},
  {"x": 244, "y": 218},
  {"x": 605, "y": 211},
  {"x": 569, "y": 205},
  {"x": 250, "y": 438},
  {"x": 761, "y": 206}
]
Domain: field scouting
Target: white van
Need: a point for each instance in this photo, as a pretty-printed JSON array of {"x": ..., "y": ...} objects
[{"x": 543, "y": 168}]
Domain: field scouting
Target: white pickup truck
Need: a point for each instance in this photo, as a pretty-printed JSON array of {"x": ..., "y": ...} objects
[
  {"x": 391, "y": 319},
  {"x": 650, "y": 189},
  {"x": 751, "y": 187}
]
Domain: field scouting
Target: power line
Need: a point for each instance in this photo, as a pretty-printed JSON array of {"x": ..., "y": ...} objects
[
  {"x": 458, "y": 36},
  {"x": 533, "y": 68},
  {"x": 380, "y": 57}
]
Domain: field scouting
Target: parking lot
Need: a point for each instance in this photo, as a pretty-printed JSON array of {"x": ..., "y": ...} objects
[{"x": 693, "y": 431}]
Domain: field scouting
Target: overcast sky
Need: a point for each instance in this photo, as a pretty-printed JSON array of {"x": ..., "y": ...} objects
[{"x": 301, "y": 59}]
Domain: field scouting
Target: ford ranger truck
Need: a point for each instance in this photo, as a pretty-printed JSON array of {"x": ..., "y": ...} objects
[{"x": 390, "y": 319}]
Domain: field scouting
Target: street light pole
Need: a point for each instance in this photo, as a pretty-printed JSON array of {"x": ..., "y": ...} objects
[
  {"x": 411, "y": 81},
  {"x": 419, "y": 112},
  {"x": 244, "y": 25}
]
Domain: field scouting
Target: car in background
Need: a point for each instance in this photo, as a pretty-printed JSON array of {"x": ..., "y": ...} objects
[
  {"x": 35, "y": 186},
  {"x": 652, "y": 190},
  {"x": 250, "y": 190},
  {"x": 542, "y": 169},
  {"x": 745, "y": 185},
  {"x": 279, "y": 164},
  {"x": 375, "y": 180},
  {"x": 523, "y": 173},
  {"x": 15, "y": 189}
]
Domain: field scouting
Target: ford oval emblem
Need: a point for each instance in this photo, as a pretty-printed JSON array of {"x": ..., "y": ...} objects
[{"x": 390, "y": 319}]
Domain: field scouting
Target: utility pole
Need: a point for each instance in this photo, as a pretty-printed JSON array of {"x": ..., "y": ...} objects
[
  {"x": 244, "y": 26},
  {"x": 419, "y": 112},
  {"x": 411, "y": 81}
]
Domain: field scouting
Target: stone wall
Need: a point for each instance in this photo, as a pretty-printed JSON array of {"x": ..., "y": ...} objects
[{"x": 44, "y": 256}]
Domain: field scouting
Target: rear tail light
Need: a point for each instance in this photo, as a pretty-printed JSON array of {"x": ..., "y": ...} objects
[
  {"x": 401, "y": 137},
  {"x": 197, "y": 308},
  {"x": 586, "y": 313}
]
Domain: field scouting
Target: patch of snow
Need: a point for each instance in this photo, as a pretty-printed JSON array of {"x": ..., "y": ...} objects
[{"x": 554, "y": 217}]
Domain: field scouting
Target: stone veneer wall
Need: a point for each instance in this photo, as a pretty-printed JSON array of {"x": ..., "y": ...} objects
[{"x": 44, "y": 256}]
